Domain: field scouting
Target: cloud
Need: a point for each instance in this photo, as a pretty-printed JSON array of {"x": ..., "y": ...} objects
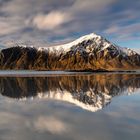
[
  {"x": 10, "y": 25},
  {"x": 51, "y": 20},
  {"x": 125, "y": 32},
  {"x": 90, "y": 5},
  {"x": 126, "y": 28},
  {"x": 112, "y": 29}
]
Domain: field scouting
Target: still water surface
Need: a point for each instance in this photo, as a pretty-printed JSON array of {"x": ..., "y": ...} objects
[{"x": 72, "y": 106}]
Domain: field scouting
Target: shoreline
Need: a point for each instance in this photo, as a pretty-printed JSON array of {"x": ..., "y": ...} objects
[{"x": 34, "y": 73}]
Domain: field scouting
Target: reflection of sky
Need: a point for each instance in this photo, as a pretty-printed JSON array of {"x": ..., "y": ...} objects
[
  {"x": 41, "y": 119},
  {"x": 50, "y": 21}
]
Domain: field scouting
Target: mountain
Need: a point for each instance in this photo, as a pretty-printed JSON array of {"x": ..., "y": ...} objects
[
  {"x": 91, "y": 92},
  {"x": 90, "y": 52}
]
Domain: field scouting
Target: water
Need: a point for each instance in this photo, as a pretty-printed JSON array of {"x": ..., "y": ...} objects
[{"x": 69, "y": 106}]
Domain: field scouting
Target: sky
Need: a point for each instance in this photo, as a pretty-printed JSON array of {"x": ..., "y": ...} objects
[{"x": 48, "y": 22}]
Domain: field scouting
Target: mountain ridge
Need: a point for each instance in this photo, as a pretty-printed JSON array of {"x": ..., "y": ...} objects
[{"x": 90, "y": 52}]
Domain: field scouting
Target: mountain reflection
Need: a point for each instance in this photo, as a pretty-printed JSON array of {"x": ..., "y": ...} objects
[{"x": 91, "y": 92}]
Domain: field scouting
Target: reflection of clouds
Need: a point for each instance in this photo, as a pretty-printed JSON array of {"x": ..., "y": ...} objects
[
  {"x": 12, "y": 126},
  {"x": 24, "y": 127},
  {"x": 41, "y": 119},
  {"x": 50, "y": 124},
  {"x": 7, "y": 117}
]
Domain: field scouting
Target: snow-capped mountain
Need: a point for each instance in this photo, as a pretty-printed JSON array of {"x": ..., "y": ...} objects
[
  {"x": 86, "y": 44},
  {"x": 90, "y": 52}
]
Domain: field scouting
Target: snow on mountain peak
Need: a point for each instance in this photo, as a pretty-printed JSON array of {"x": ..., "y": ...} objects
[
  {"x": 66, "y": 47},
  {"x": 89, "y": 42},
  {"x": 87, "y": 37}
]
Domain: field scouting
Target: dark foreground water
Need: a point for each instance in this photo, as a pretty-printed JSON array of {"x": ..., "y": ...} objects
[{"x": 82, "y": 106}]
